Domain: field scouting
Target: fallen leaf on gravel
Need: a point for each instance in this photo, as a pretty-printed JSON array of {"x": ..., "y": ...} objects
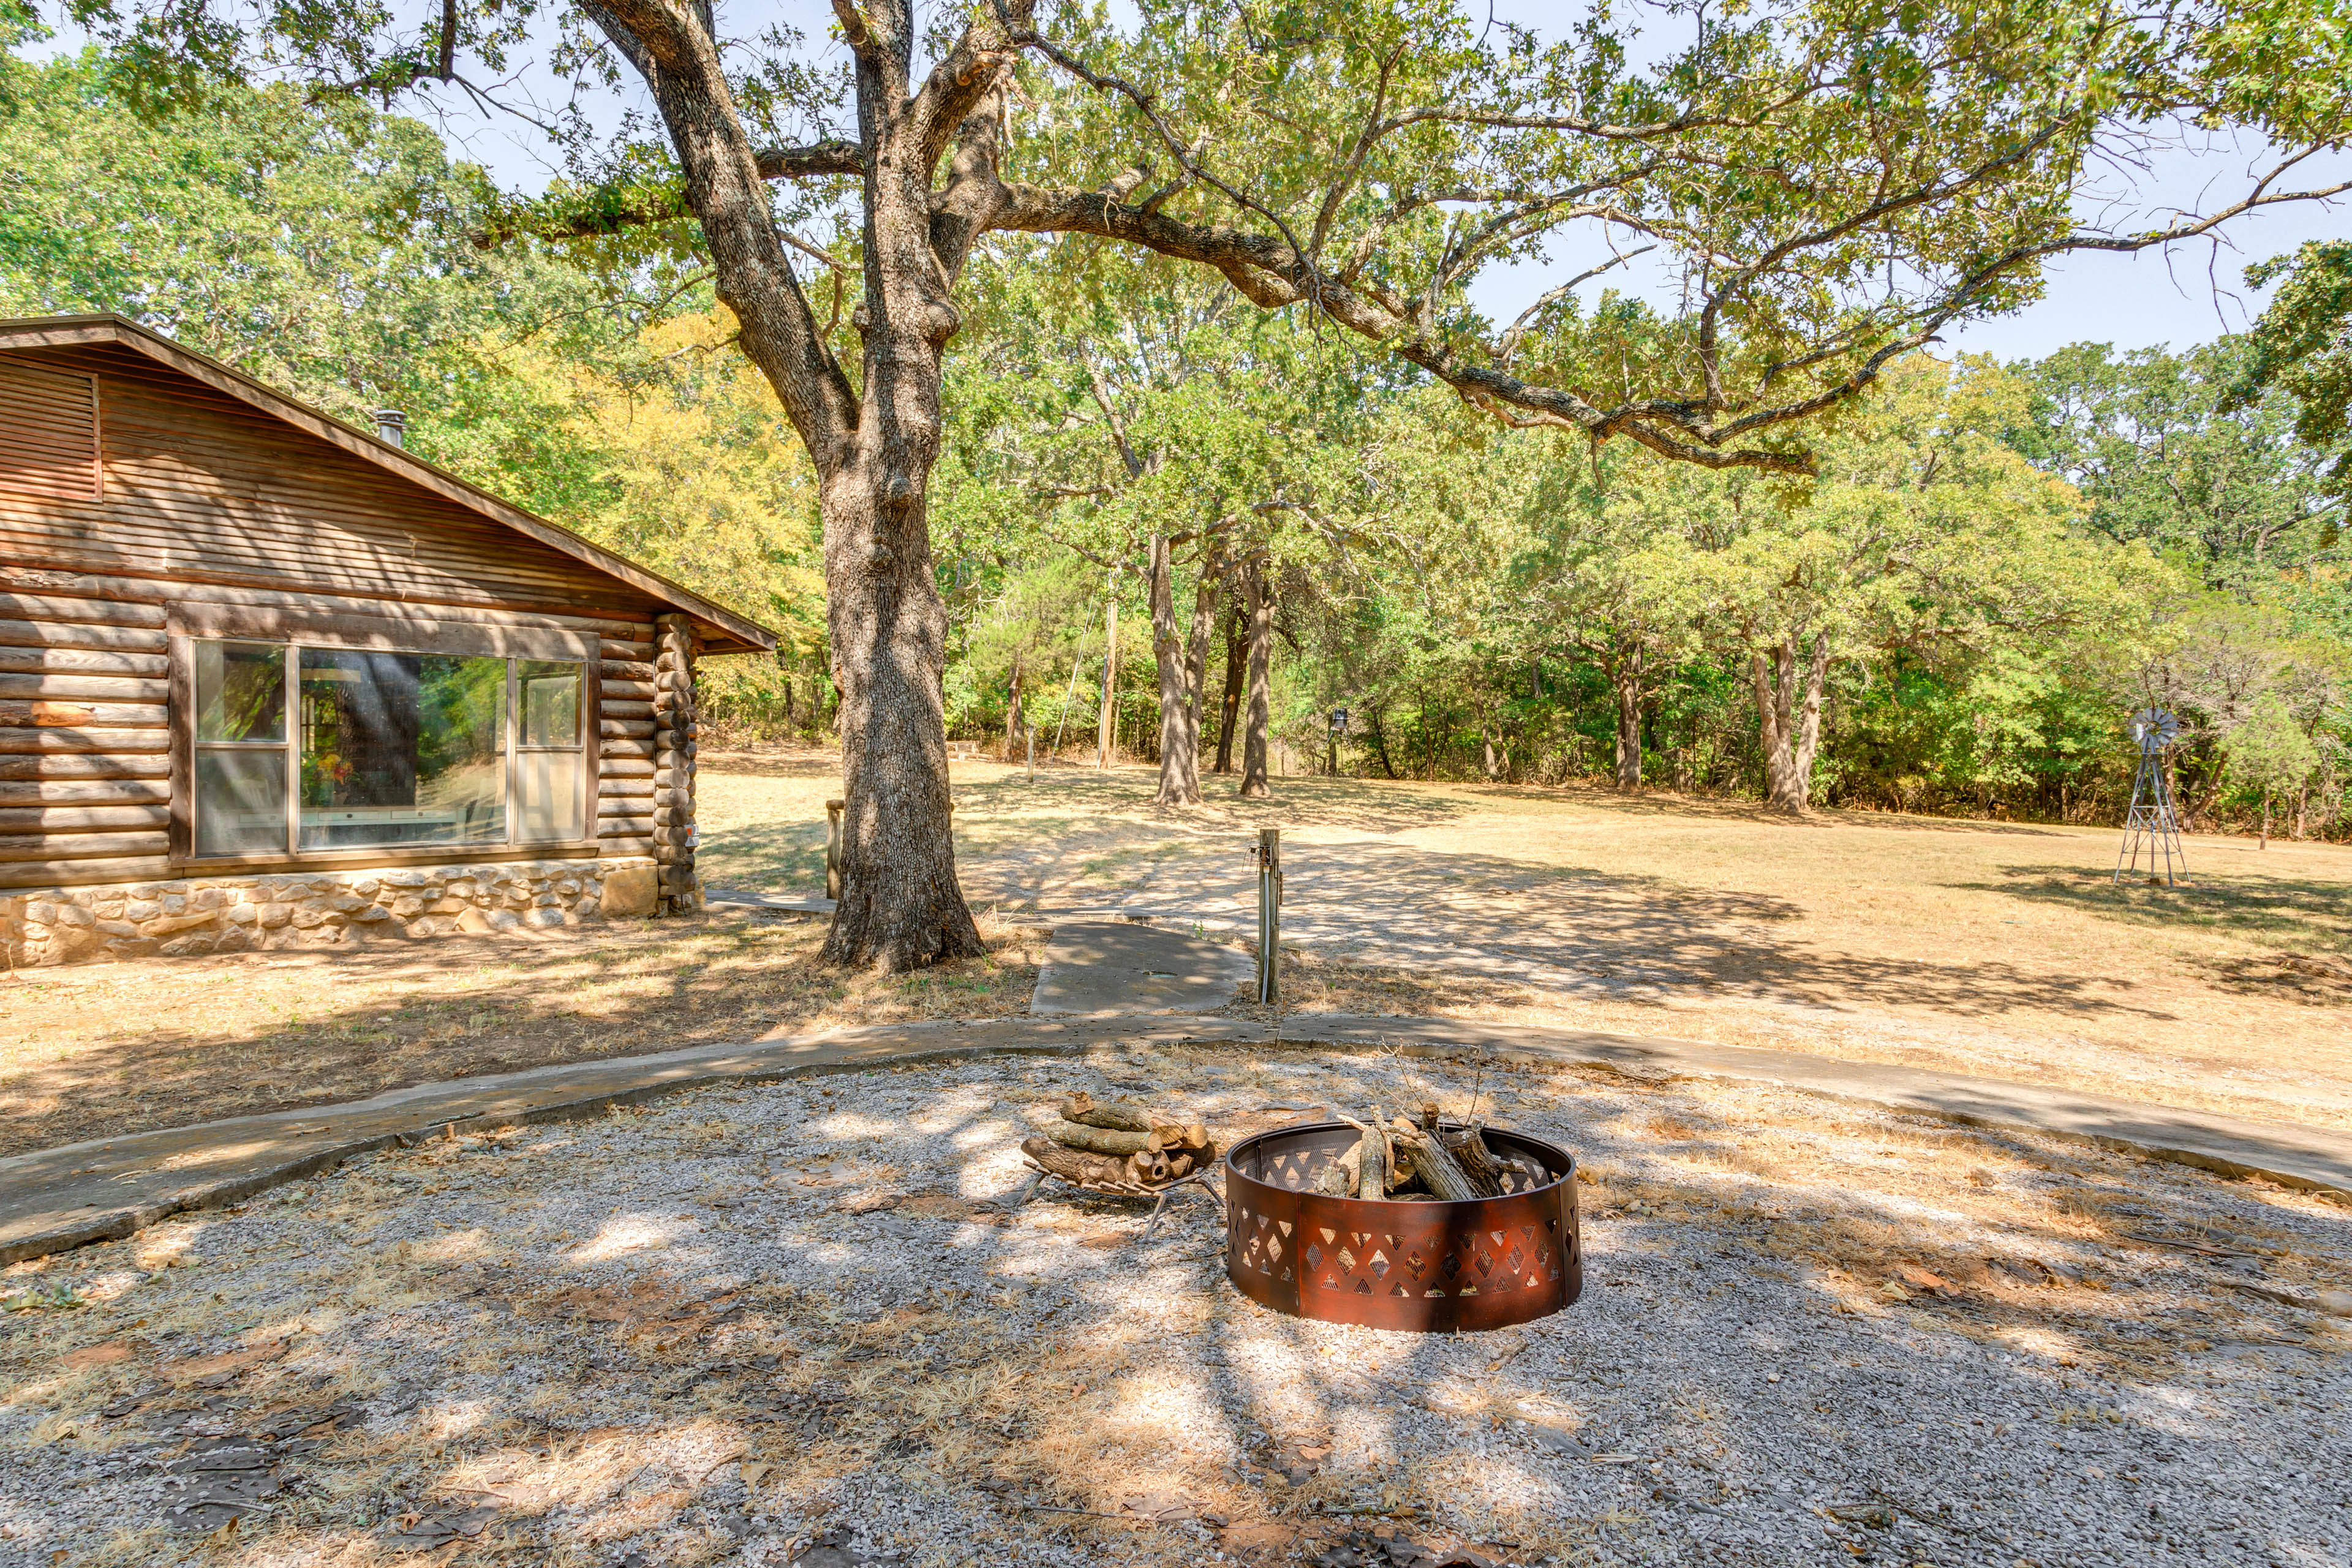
[
  {"x": 1507, "y": 1352},
  {"x": 1919, "y": 1279},
  {"x": 868, "y": 1202},
  {"x": 423, "y": 1533}
]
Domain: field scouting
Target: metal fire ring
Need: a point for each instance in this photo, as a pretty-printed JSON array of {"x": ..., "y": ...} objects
[{"x": 1425, "y": 1267}]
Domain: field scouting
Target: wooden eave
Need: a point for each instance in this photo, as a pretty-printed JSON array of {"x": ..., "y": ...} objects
[{"x": 723, "y": 631}]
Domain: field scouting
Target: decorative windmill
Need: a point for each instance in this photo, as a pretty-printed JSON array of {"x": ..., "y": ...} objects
[{"x": 2152, "y": 825}]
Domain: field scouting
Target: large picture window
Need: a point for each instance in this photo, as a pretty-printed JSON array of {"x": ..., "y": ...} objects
[{"x": 384, "y": 750}]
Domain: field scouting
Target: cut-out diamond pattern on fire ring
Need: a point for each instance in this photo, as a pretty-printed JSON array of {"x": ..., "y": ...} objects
[{"x": 1408, "y": 1264}]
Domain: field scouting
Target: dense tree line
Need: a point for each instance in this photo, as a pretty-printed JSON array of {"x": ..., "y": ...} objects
[{"x": 948, "y": 394}]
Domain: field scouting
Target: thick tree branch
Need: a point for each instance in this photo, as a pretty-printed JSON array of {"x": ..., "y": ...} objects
[{"x": 681, "y": 65}]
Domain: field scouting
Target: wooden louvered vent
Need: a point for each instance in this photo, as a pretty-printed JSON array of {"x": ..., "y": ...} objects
[{"x": 48, "y": 433}]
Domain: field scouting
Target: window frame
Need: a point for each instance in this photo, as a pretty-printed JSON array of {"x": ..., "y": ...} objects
[{"x": 291, "y": 635}]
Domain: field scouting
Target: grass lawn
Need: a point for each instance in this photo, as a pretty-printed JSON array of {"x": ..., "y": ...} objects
[
  {"x": 1994, "y": 948},
  {"x": 1982, "y": 947}
]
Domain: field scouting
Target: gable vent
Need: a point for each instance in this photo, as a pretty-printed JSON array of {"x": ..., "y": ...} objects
[{"x": 48, "y": 433}]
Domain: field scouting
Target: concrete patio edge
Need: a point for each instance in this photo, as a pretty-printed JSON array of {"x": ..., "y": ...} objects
[{"x": 55, "y": 1199}]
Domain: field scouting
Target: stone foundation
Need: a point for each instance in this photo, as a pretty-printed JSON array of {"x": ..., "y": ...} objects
[{"x": 282, "y": 910}]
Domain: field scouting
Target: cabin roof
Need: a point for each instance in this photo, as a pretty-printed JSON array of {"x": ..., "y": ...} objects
[{"x": 723, "y": 630}]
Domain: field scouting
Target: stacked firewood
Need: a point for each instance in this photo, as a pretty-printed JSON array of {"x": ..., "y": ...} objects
[
  {"x": 1409, "y": 1159},
  {"x": 1117, "y": 1145}
]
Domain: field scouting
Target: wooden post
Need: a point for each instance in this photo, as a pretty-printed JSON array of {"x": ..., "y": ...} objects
[
  {"x": 675, "y": 835},
  {"x": 1269, "y": 915},
  {"x": 833, "y": 809}
]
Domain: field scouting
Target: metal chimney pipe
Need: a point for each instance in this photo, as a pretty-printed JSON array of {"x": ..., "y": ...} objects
[{"x": 391, "y": 425}]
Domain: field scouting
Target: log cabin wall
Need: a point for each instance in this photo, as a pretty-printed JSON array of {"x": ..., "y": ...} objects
[{"x": 141, "y": 508}]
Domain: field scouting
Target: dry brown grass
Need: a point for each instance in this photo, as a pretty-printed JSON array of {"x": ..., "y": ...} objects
[
  {"x": 98, "y": 1049},
  {"x": 1989, "y": 948},
  {"x": 1999, "y": 949}
]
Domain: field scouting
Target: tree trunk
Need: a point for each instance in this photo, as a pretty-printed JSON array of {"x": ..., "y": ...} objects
[
  {"x": 1208, "y": 588},
  {"x": 1625, "y": 677},
  {"x": 1104, "y": 732},
  {"x": 873, "y": 442},
  {"x": 1788, "y": 710},
  {"x": 1012, "y": 715},
  {"x": 1235, "y": 658},
  {"x": 1380, "y": 741},
  {"x": 1809, "y": 730},
  {"x": 1261, "y": 696},
  {"x": 900, "y": 906},
  {"x": 1180, "y": 741}
]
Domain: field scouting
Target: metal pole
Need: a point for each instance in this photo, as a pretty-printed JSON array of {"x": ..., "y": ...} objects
[{"x": 1269, "y": 915}]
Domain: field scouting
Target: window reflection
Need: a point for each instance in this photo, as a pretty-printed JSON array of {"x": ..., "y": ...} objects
[
  {"x": 385, "y": 748},
  {"x": 402, "y": 748}
]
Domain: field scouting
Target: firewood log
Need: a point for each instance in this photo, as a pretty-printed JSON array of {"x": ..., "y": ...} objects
[
  {"x": 1436, "y": 1167},
  {"x": 1180, "y": 1134},
  {"x": 1075, "y": 1164},
  {"x": 1084, "y": 1110},
  {"x": 1342, "y": 1176},
  {"x": 1118, "y": 1115},
  {"x": 1149, "y": 1169},
  {"x": 1099, "y": 1140},
  {"x": 1477, "y": 1161},
  {"x": 1371, "y": 1159}
]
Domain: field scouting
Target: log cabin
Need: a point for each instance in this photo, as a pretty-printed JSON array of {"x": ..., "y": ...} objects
[{"x": 267, "y": 679}]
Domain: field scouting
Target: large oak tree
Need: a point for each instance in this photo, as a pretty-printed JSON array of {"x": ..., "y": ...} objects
[{"x": 1832, "y": 182}]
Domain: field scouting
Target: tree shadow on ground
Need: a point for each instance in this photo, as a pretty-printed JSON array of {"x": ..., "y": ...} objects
[
  {"x": 155, "y": 1043},
  {"x": 1581, "y": 929},
  {"x": 1354, "y": 804},
  {"x": 800, "y": 1307},
  {"x": 2313, "y": 913}
]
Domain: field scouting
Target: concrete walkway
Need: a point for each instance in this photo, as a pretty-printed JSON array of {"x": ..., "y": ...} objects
[
  {"x": 1100, "y": 968},
  {"x": 59, "y": 1199}
]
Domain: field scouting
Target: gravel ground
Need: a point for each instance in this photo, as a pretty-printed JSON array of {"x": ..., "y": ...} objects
[{"x": 798, "y": 1323}]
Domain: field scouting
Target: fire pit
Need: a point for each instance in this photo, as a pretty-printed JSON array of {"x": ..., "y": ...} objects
[{"x": 1430, "y": 1267}]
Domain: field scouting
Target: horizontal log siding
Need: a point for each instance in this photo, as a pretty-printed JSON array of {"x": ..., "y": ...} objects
[
  {"x": 85, "y": 752},
  {"x": 624, "y": 786},
  {"x": 210, "y": 507},
  {"x": 203, "y": 489}
]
